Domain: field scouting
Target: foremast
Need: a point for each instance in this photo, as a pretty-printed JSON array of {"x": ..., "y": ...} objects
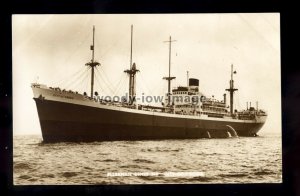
[
  {"x": 92, "y": 63},
  {"x": 132, "y": 72}
]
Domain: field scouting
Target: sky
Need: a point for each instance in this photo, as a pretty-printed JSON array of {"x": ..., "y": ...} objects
[{"x": 53, "y": 50}]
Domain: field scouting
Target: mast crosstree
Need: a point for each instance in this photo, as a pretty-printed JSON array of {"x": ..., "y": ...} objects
[
  {"x": 132, "y": 72},
  {"x": 92, "y": 63}
]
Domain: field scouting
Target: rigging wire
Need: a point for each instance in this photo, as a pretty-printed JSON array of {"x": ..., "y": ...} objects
[
  {"x": 99, "y": 85},
  {"x": 107, "y": 80},
  {"x": 71, "y": 82},
  {"x": 32, "y": 37},
  {"x": 87, "y": 83},
  {"x": 81, "y": 87},
  {"x": 270, "y": 24},
  {"x": 66, "y": 61},
  {"x": 63, "y": 79},
  {"x": 71, "y": 54},
  {"x": 143, "y": 86},
  {"x": 82, "y": 78},
  {"x": 255, "y": 31},
  {"x": 66, "y": 80},
  {"x": 237, "y": 105},
  {"x": 144, "y": 83},
  {"x": 108, "y": 49},
  {"x": 120, "y": 84},
  {"x": 104, "y": 81}
]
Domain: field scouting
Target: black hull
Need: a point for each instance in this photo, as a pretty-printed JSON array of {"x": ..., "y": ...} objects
[{"x": 66, "y": 122}]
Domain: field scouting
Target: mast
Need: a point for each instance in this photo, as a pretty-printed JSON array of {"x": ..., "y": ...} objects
[
  {"x": 231, "y": 89},
  {"x": 131, "y": 46},
  {"x": 92, "y": 63},
  {"x": 169, "y": 78},
  {"x": 132, "y": 72},
  {"x": 187, "y": 78}
]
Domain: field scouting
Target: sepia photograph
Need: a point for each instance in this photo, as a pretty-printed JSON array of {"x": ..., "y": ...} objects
[{"x": 111, "y": 99}]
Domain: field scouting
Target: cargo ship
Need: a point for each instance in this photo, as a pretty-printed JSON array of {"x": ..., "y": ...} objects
[{"x": 185, "y": 113}]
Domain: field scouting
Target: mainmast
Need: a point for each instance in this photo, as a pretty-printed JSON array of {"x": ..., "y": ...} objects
[
  {"x": 132, "y": 72},
  {"x": 231, "y": 89},
  {"x": 92, "y": 63},
  {"x": 169, "y": 78}
]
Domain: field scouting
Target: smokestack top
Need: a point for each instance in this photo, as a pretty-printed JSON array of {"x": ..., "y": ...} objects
[{"x": 193, "y": 82}]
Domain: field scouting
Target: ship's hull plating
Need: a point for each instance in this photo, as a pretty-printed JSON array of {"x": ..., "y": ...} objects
[{"x": 63, "y": 122}]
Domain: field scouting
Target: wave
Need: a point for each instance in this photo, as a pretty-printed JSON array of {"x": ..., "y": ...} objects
[
  {"x": 24, "y": 177},
  {"x": 110, "y": 160},
  {"x": 101, "y": 153},
  {"x": 22, "y": 166},
  {"x": 143, "y": 161},
  {"x": 201, "y": 179},
  {"x": 69, "y": 174},
  {"x": 133, "y": 166},
  {"x": 168, "y": 150},
  {"x": 107, "y": 160},
  {"x": 233, "y": 175},
  {"x": 47, "y": 176},
  {"x": 148, "y": 177},
  {"x": 264, "y": 172},
  {"x": 187, "y": 180}
]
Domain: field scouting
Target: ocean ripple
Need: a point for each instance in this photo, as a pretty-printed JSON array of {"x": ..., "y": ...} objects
[{"x": 235, "y": 160}]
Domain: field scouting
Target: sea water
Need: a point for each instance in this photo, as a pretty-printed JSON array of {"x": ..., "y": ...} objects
[{"x": 191, "y": 161}]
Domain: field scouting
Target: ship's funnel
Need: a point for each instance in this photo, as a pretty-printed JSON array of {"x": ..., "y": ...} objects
[{"x": 193, "y": 82}]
